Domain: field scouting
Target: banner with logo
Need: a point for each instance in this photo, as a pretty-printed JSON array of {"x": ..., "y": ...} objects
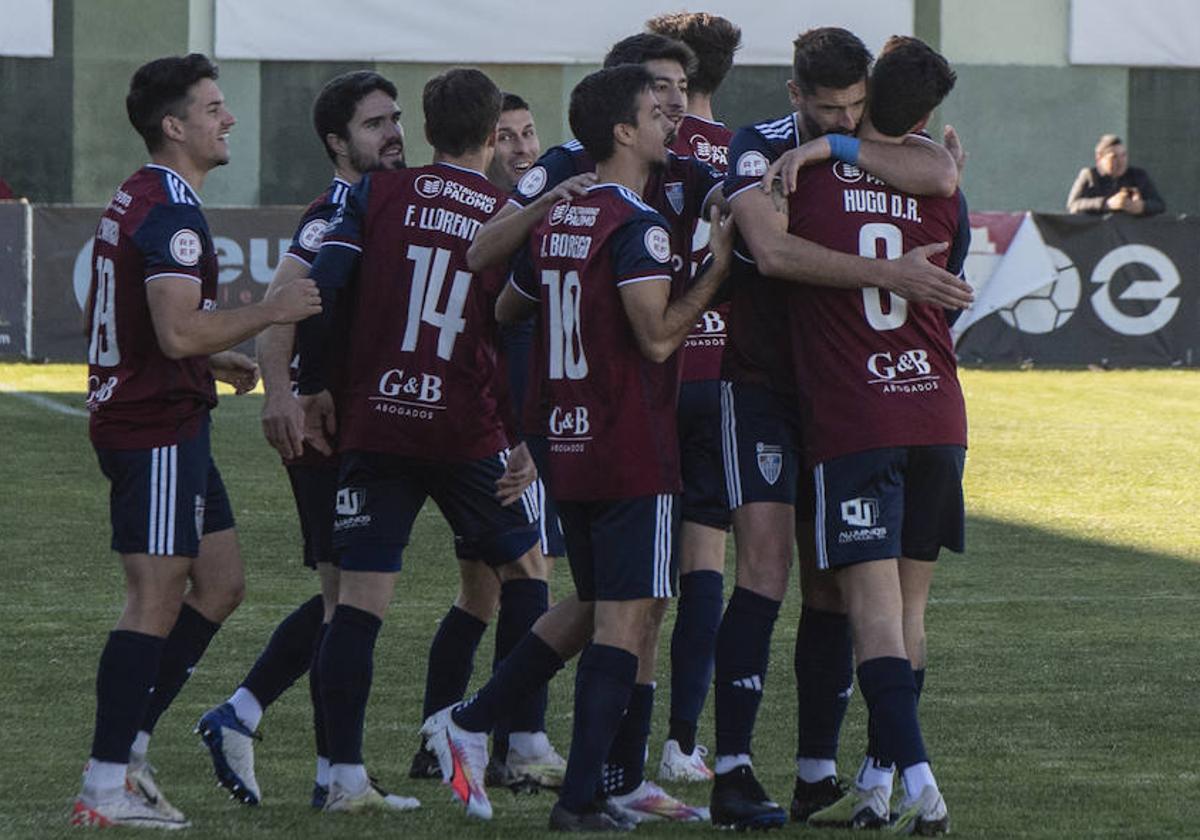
[
  {"x": 14, "y": 278},
  {"x": 249, "y": 243},
  {"x": 1125, "y": 291}
]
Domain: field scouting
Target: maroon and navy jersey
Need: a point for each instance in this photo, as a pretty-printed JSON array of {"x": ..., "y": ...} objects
[
  {"x": 873, "y": 370},
  {"x": 758, "y": 349},
  {"x": 306, "y": 242},
  {"x": 418, "y": 375},
  {"x": 707, "y": 142},
  {"x": 138, "y": 398},
  {"x": 609, "y": 413}
]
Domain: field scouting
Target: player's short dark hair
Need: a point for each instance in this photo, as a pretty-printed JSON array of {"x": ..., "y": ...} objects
[
  {"x": 829, "y": 57},
  {"x": 512, "y": 102},
  {"x": 603, "y": 100},
  {"x": 462, "y": 107},
  {"x": 711, "y": 37},
  {"x": 648, "y": 46},
  {"x": 161, "y": 87},
  {"x": 335, "y": 104},
  {"x": 908, "y": 81}
]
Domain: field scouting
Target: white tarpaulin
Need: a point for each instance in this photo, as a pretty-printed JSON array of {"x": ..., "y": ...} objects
[
  {"x": 518, "y": 31},
  {"x": 1139, "y": 33},
  {"x": 28, "y": 28}
]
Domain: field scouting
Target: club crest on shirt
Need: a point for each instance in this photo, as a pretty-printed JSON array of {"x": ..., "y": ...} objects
[
  {"x": 674, "y": 191},
  {"x": 430, "y": 186},
  {"x": 185, "y": 247},
  {"x": 770, "y": 461},
  {"x": 531, "y": 182}
]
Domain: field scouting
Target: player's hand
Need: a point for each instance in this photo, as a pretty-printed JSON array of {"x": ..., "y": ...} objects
[
  {"x": 915, "y": 278},
  {"x": 292, "y": 300},
  {"x": 236, "y": 369},
  {"x": 320, "y": 421},
  {"x": 283, "y": 423},
  {"x": 720, "y": 235},
  {"x": 954, "y": 146},
  {"x": 1116, "y": 202},
  {"x": 787, "y": 166},
  {"x": 518, "y": 475},
  {"x": 574, "y": 186}
]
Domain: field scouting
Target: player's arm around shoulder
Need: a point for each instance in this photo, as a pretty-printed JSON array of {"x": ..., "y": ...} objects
[
  {"x": 919, "y": 165},
  {"x": 660, "y": 324}
]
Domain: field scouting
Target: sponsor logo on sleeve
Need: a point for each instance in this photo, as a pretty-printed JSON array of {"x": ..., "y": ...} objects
[
  {"x": 532, "y": 182},
  {"x": 658, "y": 243},
  {"x": 312, "y": 234},
  {"x": 185, "y": 247},
  {"x": 752, "y": 164}
]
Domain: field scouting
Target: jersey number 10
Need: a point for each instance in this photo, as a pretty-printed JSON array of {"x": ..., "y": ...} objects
[{"x": 567, "y": 359}]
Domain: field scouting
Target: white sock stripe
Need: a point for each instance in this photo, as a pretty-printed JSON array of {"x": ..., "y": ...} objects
[
  {"x": 733, "y": 480},
  {"x": 151, "y": 529},
  {"x": 171, "y": 509},
  {"x": 819, "y": 516}
]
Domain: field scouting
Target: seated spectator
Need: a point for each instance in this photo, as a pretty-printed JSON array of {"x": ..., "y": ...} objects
[{"x": 1112, "y": 185}]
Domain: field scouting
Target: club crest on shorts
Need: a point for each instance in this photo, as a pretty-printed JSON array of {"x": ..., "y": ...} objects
[
  {"x": 674, "y": 191},
  {"x": 770, "y": 461}
]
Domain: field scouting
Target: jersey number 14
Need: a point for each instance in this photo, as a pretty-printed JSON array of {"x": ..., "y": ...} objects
[{"x": 428, "y": 278}]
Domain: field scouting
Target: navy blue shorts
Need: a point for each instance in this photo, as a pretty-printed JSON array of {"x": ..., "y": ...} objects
[
  {"x": 623, "y": 550},
  {"x": 701, "y": 460},
  {"x": 315, "y": 486},
  {"x": 550, "y": 527},
  {"x": 760, "y": 436},
  {"x": 885, "y": 503},
  {"x": 162, "y": 500},
  {"x": 379, "y": 496}
]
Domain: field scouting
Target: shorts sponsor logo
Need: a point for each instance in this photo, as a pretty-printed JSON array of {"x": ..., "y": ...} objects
[
  {"x": 531, "y": 182},
  {"x": 863, "y": 515},
  {"x": 185, "y": 247},
  {"x": 770, "y": 461},
  {"x": 312, "y": 233},
  {"x": 752, "y": 165},
  {"x": 847, "y": 172},
  {"x": 658, "y": 243},
  {"x": 351, "y": 501},
  {"x": 430, "y": 186},
  {"x": 674, "y": 191}
]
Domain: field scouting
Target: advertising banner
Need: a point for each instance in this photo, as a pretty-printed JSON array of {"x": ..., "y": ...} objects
[{"x": 1125, "y": 292}]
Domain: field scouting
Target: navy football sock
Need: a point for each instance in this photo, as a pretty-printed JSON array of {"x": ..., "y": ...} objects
[
  {"x": 824, "y": 665},
  {"x": 314, "y": 693},
  {"x": 873, "y": 747},
  {"x": 626, "y": 764},
  {"x": 742, "y": 653},
  {"x": 890, "y": 692},
  {"x": 346, "y": 665},
  {"x": 451, "y": 659},
  {"x": 692, "y": 643},
  {"x": 528, "y": 668},
  {"x": 127, "y": 669},
  {"x": 185, "y": 645},
  {"x": 603, "y": 685},
  {"x": 522, "y": 603},
  {"x": 287, "y": 655}
]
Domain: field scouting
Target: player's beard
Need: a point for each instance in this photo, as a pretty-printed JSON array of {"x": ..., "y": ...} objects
[
  {"x": 361, "y": 163},
  {"x": 812, "y": 128}
]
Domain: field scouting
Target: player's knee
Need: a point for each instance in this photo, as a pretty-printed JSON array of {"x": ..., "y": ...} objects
[{"x": 531, "y": 565}]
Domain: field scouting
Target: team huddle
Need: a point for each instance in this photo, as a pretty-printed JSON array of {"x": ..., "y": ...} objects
[{"x": 614, "y": 352}]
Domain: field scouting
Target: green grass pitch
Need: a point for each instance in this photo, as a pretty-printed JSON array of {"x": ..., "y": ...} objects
[{"x": 1064, "y": 677}]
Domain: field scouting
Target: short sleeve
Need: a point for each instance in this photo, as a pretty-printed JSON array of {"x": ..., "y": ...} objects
[
  {"x": 962, "y": 239},
  {"x": 551, "y": 169},
  {"x": 521, "y": 276},
  {"x": 172, "y": 239},
  {"x": 341, "y": 245},
  {"x": 311, "y": 231},
  {"x": 641, "y": 249},
  {"x": 749, "y": 156}
]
